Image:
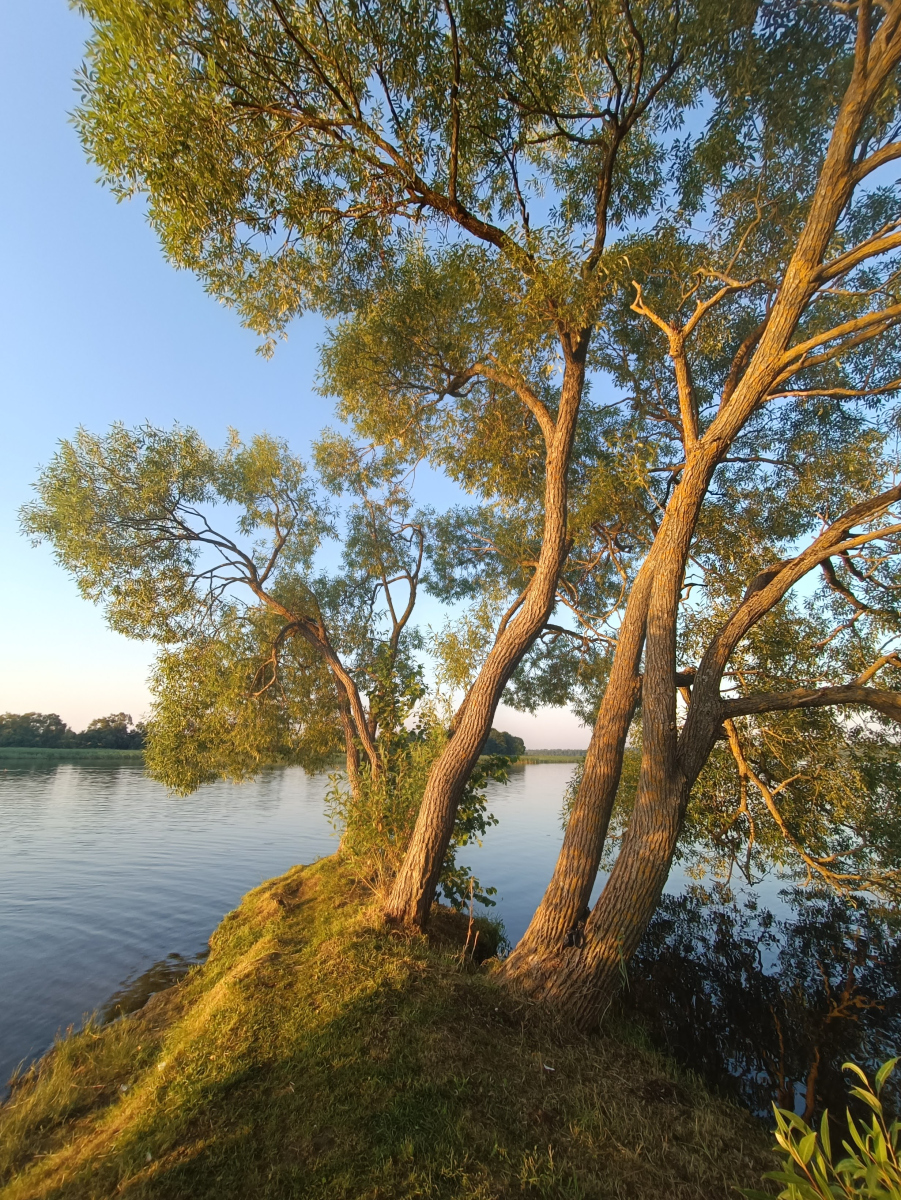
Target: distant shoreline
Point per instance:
(80, 752)
(530, 757)
(549, 756)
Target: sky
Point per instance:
(96, 327)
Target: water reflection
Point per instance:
(102, 874)
(768, 1008)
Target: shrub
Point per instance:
(869, 1171)
(376, 827)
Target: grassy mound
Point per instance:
(315, 1054)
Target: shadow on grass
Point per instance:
(317, 1055)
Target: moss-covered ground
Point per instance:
(315, 1054)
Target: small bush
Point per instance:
(870, 1170)
(376, 826)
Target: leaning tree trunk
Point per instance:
(414, 888)
(580, 979)
(567, 957)
(352, 757)
(562, 909)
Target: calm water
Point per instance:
(103, 874)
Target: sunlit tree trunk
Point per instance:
(576, 973)
(352, 757)
(580, 979)
(414, 889)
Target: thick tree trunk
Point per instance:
(580, 981)
(586, 983)
(414, 889)
(564, 904)
(579, 974)
(564, 958)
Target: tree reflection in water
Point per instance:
(768, 1008)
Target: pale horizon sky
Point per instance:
(97, 327)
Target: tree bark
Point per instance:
(580, 981)
(579, 975)
(414, 888)
(352, 757)
(566, 899)
(542, 963)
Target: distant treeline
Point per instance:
(559, 753)
(500, 742)
(115, 732)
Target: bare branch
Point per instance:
(838, 393)
(688, 409)
(885, 154)
(747, 773)
(796, 356)
(883, 661)
(770, 586)
(880, 243)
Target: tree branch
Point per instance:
(886, 702)
(516, 384)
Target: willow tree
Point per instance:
(759, 356)
(213, 556)
(447, 182)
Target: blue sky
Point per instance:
(95, 327)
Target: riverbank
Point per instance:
(316, 1055)
(528, 759)
(82, 755)
(74, 753)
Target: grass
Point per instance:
(550, 758)
(73, 752)
(315, 1054)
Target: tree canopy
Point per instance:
(628, 273)
(49, 730)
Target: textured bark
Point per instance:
(350, 701)
(568, 893)
(579, 982)
(576, 964)
(352, 756)
(414, 889)
(650, 618)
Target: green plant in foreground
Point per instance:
(871, 1168)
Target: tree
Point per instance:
(262, 653)
(445, 183)
(765, 346)
(115, 732)
(493, 203)
(33, 729)
(265, 658)
(501, 742)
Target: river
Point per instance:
(103, 874)
(109, 885)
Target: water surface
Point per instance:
(103, 874)
(108, 886)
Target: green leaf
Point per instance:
(883, 1073)
(806, 1147)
